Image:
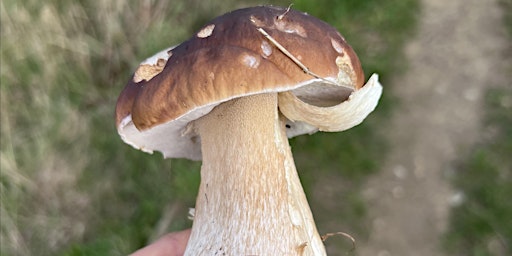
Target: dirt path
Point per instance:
(455, 55)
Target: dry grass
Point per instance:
(68, 184)
(63, 64)
(48, 86)
(33, 170)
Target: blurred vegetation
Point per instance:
(506, 5)
(69, 186)
(482, 224)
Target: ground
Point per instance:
(69, 186)
(456, 53)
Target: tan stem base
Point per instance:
(250, 200)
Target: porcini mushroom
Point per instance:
(231, 95)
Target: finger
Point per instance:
(172, 244)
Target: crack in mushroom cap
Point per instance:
(230, 62)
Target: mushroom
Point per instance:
(231, 96)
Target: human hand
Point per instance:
(172, 244)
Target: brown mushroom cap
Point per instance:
(230, 58)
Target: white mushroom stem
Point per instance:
(250, 200)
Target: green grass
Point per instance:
(68, 184)
(482, 225)
(506, 5)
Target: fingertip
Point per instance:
(172, 244)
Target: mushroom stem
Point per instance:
(250, 200)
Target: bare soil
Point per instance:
(457, 52)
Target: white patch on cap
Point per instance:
(153, 65)
(266, 48)
(147, 71)
(206, 31)
(337, 46)
(164, 54)
(291, 28)
(250, 61)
